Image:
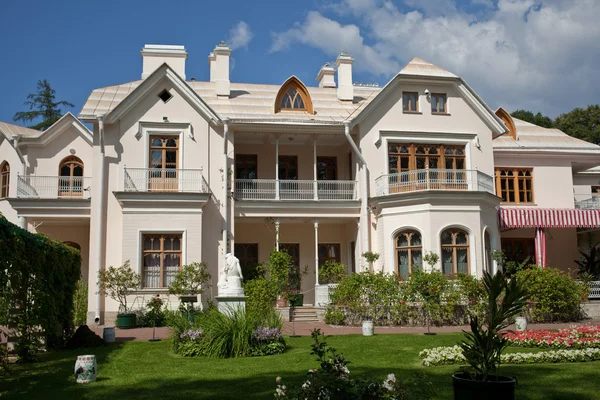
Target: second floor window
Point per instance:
(4, 179)
(409, 157)
(410, 101)
(71, 177)
(514, 185)
(246, 166)
(164, 162)
(438, 103)
(326, 168)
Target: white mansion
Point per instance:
(177, 171)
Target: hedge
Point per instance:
(38, 279)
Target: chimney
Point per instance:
(344, 67)
(325, 76)
(218, 61)
(155, 55)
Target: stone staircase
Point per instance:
(304, 314)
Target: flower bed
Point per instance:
(453, 355)
(580, 337)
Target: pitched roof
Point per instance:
(11, 129)
(420, 67)
(534, 137)
(247, 102)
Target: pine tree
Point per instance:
(42, 105)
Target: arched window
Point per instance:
(293, 96)
(73, 245)
(455, 251)
(409, 252)
(508, 121)
(4, 179)
(71, 177)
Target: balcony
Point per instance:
(164, 180)
(272, 189)
(434, 179)
(589, 204)
(53, 187)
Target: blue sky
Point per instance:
(535, 54)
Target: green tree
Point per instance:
(581, 123)
(42, 105)
(537, 119)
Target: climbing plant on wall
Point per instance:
(38, 279)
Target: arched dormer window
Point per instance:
(508, 121)
(4, 179)
(293, 96)
(71, 177)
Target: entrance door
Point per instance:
(327, 173)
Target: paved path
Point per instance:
(304, 329)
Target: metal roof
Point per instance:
(11, 129)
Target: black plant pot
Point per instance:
(467, 389)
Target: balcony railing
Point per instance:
(164, 180)
(272, 189)
(53, 187)
(434, 179)
(592, 203)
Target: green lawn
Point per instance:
(143, 370)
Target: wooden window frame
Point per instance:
(410, 248)
(338, 259)
(245, 259)
(516, 184)
(161, 252)
(335, 167)
(164, 181)
(4, 180)
(72, 187)
(302, 91)
(454, 246)
(286, 246)
(411, 111)
(437, 111)
(245, 165)
(412, 155)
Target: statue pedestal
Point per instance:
(228, 303)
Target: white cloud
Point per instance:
(540, 55)
(240, 36)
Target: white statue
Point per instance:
(230, 279)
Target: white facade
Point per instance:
(322, 174)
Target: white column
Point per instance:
(315, 187)
(316, 252)
(277, 235)
(277, 168)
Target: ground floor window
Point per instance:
(409, 252)
(518, 249)
(455, 251)
(161, 255)
(247, 254)
(293, 249)
(329, 252)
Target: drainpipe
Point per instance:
(225, 184)
(364, 225)
(16, 138)
(99, 216)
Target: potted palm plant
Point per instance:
(117, 283)
(485, 343)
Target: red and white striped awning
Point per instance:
(548, 218)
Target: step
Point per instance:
(305, 319)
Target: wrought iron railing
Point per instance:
(164, 180)
(272, 189)
(53, 187)
(592, 203)
(434, 179)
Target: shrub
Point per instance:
(554, 295)
(80, 303)
(38, 277)
(261, 295)
(232, 334)
(156, 313)
(118, 282)
(332, 380)
(334, 316)
(191, 280)
(331, 272)
(279, 267)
